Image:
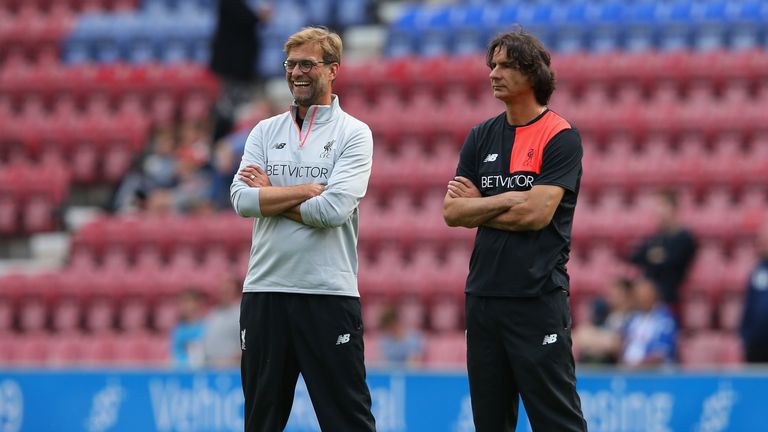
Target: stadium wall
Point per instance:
(201, 401)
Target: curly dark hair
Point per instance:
(527, 54)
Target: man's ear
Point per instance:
(333, 71)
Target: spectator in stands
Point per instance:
(224, 163)
(234, 55)
(160, 202)
(160, 163)
(399, 346)
(186, 336)
(192, 192)
(668, 253)
(301, 178)
(754, 323)
(650, 333)
(221, 339)
(154, 170)
(599, 340)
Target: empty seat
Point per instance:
(100, 316)
(100, 349)
(446, 314)
(446, 350)
(30, 350)
(696, 312)
(730, 311)
(134, 314)
(64, 350)
(66, 315)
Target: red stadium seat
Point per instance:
(32, 315)
(422, 268)
(732, 351)
(100, 349)
(99, 316)
(166, 315)
(702, 349)
(66, 315)
(730, 311)
(373, 308)
(30, 350)
(371, 347)
(696, 312)
(412, 312)
(135, 348)
(451, 278)
(705, 275)
(446, 350)
(64, 350)
(134, 314)
(446, 314)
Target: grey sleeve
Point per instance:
(346, 185)
(245, 199)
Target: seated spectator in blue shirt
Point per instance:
(399, 346)
(754, 322)
(186, 337)
(599, 339)
(650, 332)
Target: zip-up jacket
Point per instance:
(318, 256)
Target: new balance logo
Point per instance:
(549, 339)
(278, 146)
(242, 339)
(344, 338)
(491, 157)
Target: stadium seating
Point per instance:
(427, 30)
(658, 91)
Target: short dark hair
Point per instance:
(528, 55)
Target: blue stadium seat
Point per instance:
(573, 22)
(468, 29)
(435, 38)
(607, 26)
(352, 12)
(640, 26)
(748, 25)
(711, 29)
(400, 42)
(674, 22)
(537, 19)
(319, 12)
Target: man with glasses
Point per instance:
(517, 181)
(301, 178)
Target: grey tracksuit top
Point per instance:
(320, 255)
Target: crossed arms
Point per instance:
(531, 210)
(313, 204)
(285, 201)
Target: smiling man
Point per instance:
(301, 178)
(517, 182)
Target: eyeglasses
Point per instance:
(304, 65)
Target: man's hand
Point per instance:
(254, 176)
(312, 189)
(462, 187)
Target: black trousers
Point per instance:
(521, 347)
(756, 353)
(319, 336)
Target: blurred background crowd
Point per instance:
(122, 123)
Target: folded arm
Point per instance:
(532, 215)
(464, 205)
(347, 184)
(278, 200)
(531, 210)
